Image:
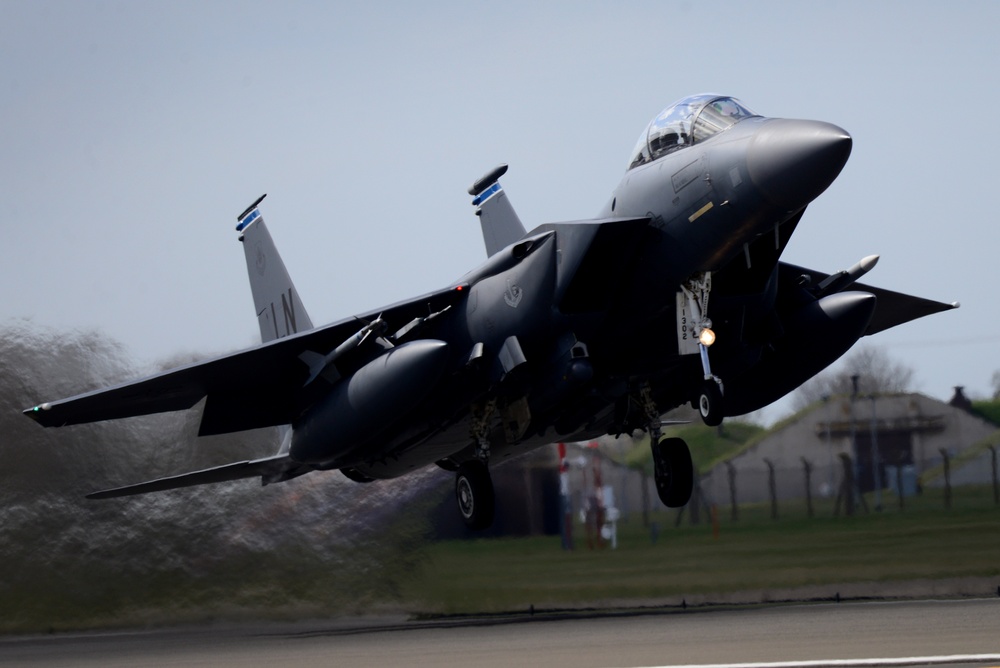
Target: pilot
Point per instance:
(726, 107)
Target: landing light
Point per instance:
(707, 337)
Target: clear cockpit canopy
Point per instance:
(685, 123)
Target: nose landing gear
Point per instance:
(709, 401)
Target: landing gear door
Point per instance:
(687, 339)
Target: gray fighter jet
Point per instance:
(673, 294)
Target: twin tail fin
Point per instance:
(279, 309)
(501, 226)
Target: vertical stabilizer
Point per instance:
(276, 301)
(501, 226)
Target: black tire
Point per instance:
(673, 472)
(710, 404)
(474, 495)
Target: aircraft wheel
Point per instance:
(474, 494)
(710, 404)
(673, 472)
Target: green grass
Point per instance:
(925, 541)
(988, 410)
(755, 553)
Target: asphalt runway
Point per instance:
(963, 633)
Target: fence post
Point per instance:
(731, 470)
(695, 502)
(947, 478)
(996, 485)
(645, 498)
(899, 484)
(809, 499)
(772, 488)
(846, 491)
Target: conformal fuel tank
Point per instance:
(371, 400)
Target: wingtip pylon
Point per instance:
(243, 220)
(488, 179)
(36, 413)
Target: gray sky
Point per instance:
(133, 133)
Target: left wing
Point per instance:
(892, 308)
(257, 387)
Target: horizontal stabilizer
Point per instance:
(270, 469)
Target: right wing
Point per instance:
(257, 387)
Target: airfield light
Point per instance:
(707, 337)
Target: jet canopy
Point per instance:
(687, 122)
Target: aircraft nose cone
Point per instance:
(793, 161)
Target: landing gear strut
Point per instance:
(473, 485)
(709, 401)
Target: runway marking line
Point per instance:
(854, 663)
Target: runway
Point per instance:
(842, 635)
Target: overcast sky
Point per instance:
(133, 133)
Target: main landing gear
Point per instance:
(673, 471)
(473, 485)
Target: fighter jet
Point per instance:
(675, 293)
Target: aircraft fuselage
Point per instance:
(569, 323)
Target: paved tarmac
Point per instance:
(963, 633)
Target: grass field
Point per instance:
(399, 570)
(923, 541)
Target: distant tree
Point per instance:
(877, 373)
(996, 384)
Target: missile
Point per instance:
(322, 365)
(846, 277)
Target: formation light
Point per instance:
(707, 337)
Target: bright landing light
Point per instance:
(707, 337)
